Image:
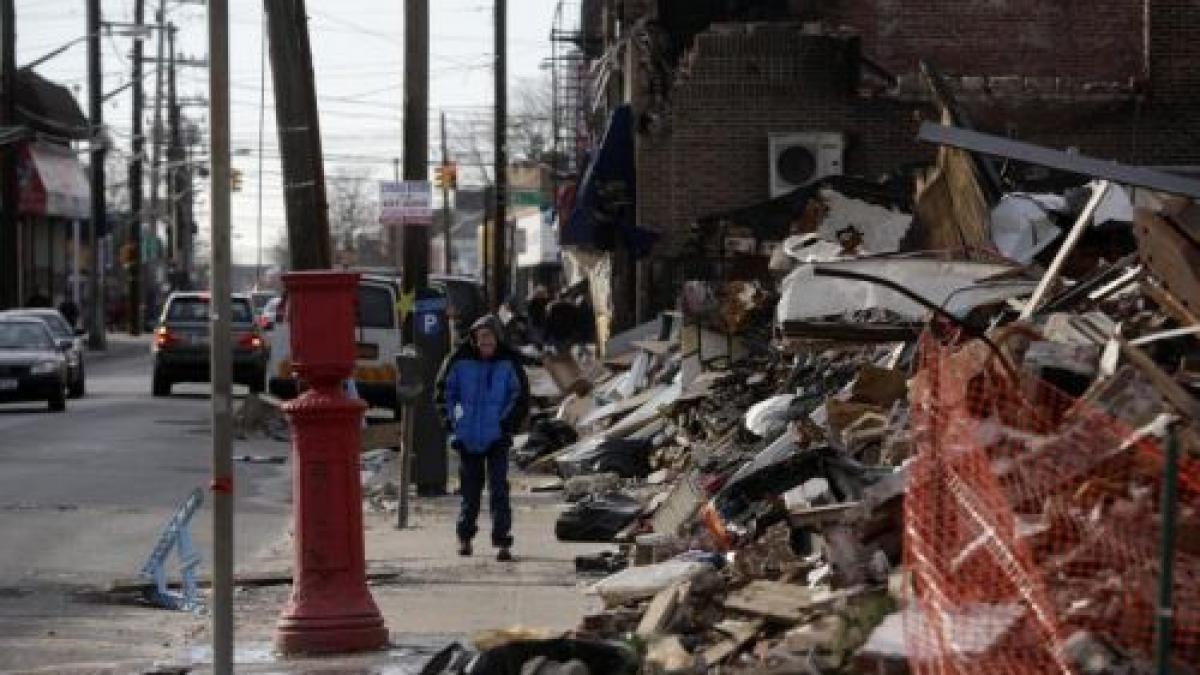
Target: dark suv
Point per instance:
(181, 347)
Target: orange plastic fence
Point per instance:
(1031, 516)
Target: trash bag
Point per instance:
(556, 656)
(627, 457)
(597, 519)
(546, 435)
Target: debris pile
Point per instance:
(967, 460)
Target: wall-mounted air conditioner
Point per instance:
(801, 158)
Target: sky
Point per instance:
(357, 48)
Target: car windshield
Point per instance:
(24, 335)
(195, 309)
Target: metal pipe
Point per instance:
(221, 339)
(1164, 615)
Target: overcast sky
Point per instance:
(358, 59)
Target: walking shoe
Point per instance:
(504, 555)
(464, 548)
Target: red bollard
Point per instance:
(331, 609)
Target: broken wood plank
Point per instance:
(661, 611)
(739, 632)
(772, 600)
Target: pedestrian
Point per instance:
(70, 311)
(562, 324)
(482, 395)
(536, 308)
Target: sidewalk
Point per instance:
(120, 345)
(437, 596)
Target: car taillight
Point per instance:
(163, 338)
(250, 341)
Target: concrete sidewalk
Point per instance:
(121, 345)
(437, 595)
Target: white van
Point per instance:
(377, 337)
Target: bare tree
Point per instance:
(353, 214)
(531, 105)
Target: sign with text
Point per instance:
(408, 202)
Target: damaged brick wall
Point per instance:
(738, 85)
(1090, 39)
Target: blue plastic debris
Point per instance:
(176, 535)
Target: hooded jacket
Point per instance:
(482, 401)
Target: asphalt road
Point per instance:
(84, 494)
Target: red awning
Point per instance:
(53, 182)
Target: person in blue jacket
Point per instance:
(482, 395)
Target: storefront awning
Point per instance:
(53, 182)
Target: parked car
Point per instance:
(377, 338)
(181, 343)
(32, 367)
(70, 341)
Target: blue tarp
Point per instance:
(605, 205)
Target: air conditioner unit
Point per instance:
(799, 159)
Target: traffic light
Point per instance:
(235, 180)
(445, 177)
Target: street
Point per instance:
(84, 494)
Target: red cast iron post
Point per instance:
(331, 609)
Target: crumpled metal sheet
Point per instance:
(958, 286)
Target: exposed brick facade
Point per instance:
(1093, 39)
(737, 83)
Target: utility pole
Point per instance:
(499, 285)
(156, 134)
(422, 326)
(446, 214)
(416, 136)
(221, 341)
(299, 136)
(96, 111)
(10, 255)
(177, 174)
(135, 177)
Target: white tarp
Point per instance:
(882, 228)
(957, 286)
(1021, 226)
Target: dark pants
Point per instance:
(471, 473)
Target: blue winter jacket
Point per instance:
(482, 402)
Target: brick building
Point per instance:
(711, 80)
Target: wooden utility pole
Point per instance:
(299, 136)
(499, 285)
(447, 256)
(99, 210)
(156, 133)
(135, 177)
(416, 136)
(10, 255)
(178, 181)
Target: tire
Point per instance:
(160, 385)
(57, 403)
(78, 387)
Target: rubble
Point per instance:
(947, 459)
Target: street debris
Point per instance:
(890, 458)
